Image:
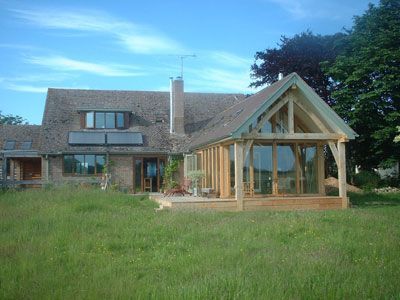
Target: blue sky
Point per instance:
(136, 45)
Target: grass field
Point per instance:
(69, 243)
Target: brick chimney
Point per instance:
(177, 117)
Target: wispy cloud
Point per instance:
(67, 64)
(220, 80)
(230, 59)
(294, 7)
(36, 89)
(25, 88)
(134, 37)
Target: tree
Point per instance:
(397, 137)
(302, 54)
(366, 84)
(11, 119)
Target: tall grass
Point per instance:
(67, 243)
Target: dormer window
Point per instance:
(105, 120)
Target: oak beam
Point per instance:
(290, 114)
(293, 136)
(269, 114)
(334, 151)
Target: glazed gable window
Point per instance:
(104, 120)
(84, 164)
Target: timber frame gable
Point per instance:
(272, 144)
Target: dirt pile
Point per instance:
(333, 183)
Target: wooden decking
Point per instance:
(273, 203)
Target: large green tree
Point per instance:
(366, 79)
(302, 53)
(11, 119)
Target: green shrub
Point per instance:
(367, 180)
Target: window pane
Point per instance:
(263, 169)
(110, 120)
(89, 164)
(308, 169)
(89, 119)
(79, 164)
(232, 167)
(286, 169)
(120, 120)
(68, 164)
(100, 162)
(9, 145)
(281, 121)
(100, 122)
(26, 145)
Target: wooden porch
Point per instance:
(249, 204)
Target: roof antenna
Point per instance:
(182, 57)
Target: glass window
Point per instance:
(100, 122)
(232, 167)
(9, 145)
(26, 145)
(120, 120)
(162, 168)
(80, 164)
(110, 120)
(100, 162)
(286, 169)
(308, 169)
(90, 164)
(90, 119)
(263, 169)
(68, 164)
(281, 121)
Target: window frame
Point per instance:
(85, 167)
(117, 116)
(13, 142)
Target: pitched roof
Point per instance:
(224, 123)
(148, 108)
(228, 122)
(20, 134)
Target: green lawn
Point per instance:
(71, 243)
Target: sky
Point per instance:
(138, 45)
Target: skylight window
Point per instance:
(26, 145)
(9, 145)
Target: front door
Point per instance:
(149, 174)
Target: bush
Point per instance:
(367, 180)
(391, 181)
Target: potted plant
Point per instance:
(195, 177)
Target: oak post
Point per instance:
(342, 173)
(239, 174)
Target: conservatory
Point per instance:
(269, 150)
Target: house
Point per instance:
(269, 146)
(21, 162)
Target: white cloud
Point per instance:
(26, 88)
(230, 59)
(136, 38)
(67, 64)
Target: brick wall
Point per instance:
(122, 171)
